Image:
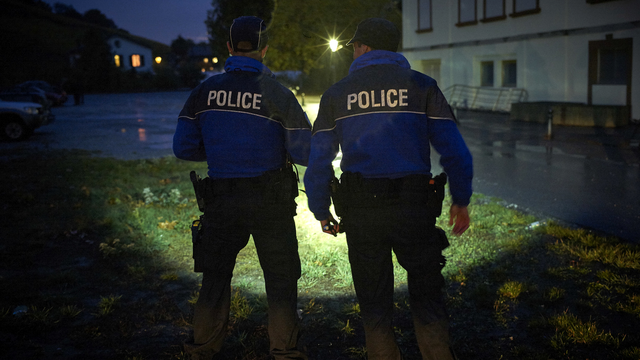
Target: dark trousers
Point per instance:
(373, 232)
(229, 221)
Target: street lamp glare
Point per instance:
(333, 45)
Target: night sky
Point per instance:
(159, 20)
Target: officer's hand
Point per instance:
(330, 226)
(461, 216)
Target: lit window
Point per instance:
(493, 10)
(424, 15)
(467, 12)
(509, 73)
(116, 59)
(486, 73)
(135, 61)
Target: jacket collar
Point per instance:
(243, 63)
(379, 57)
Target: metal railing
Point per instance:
(484, 98)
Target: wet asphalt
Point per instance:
(582, 176)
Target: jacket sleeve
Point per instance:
(298, 134)
(187, 140)
(455, 158)
(324, 148)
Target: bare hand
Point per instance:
(330, 226)
(460, 215)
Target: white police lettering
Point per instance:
(229, 99)
(386, 98)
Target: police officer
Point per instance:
(384, 116)
(246, 126)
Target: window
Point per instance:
(525, 7)
(424, 16)
(610, 63)
(493, 10)
(509, 73)
(486, 73)
(137, 60)
(613, 66)
(116, 60)
(467, 10)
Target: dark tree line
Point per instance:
(299, 31)
(93, 16)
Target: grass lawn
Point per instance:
(95, 263)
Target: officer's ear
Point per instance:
(229, 48)
(263, 52)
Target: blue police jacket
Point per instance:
(383, 116)
(242, 122)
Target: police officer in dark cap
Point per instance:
(249, 129)
(385, 117)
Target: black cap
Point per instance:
(248, 33)
(379, 34)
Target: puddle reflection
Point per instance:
(142, 134)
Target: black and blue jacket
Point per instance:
(242, 122)
(383, 116)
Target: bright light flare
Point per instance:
(333, 45)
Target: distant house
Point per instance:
(571, 51)
(202, 55)
(129, 55)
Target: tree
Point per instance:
(96, 61)
(67, 10)
(180, 48)
(300, 31)
(219, 20)
(38, 3)
(96, 17)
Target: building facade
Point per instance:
(129, 55)
(574, 51)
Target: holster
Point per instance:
(200, 188)
(435, 195)
(197, 237)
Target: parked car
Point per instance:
(55, 94)
(18, 120)
(34, 95)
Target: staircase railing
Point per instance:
(484, 98)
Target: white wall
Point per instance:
(552, 65)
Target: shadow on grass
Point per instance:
(95, 260)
